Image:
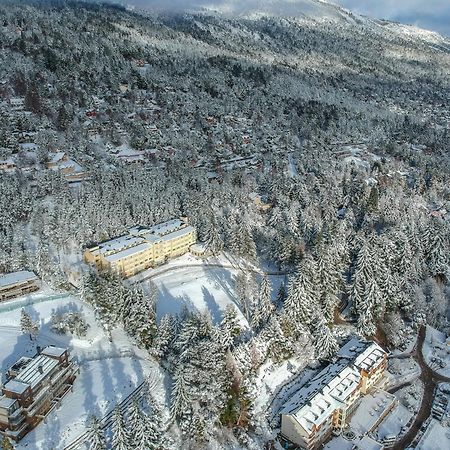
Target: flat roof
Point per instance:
(16, 277)
(53, 351)
(6, 402)
(16, 386)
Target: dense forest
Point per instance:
(347, 123)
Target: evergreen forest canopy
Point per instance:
(364, 233)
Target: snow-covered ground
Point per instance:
(436, 351)
(197, 288)
(199, 285)
(109, 371)
(402, 370)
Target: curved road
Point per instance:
(430, 379)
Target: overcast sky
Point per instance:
(429, 14)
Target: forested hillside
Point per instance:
(342, 126)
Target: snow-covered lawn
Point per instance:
(436, 351)
(189, 282)
(200, 288)
(109, 371)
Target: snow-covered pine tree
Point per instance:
(324, 341)
(165, 335)
(27, 325)
(229, 326)
(120, 436)
(180, 402)
(96, 436)
(213, 242)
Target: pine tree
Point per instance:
(96, 436)
(27, 325)
(229, 326)
(213, 241)
(120, 437)
(164, 337)
(324, 341)
(180, 405)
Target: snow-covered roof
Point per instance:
(127, 252)
(166, 227)
(177, 233)
(37, 369)
(6, 403)
(332, 386)
(16, 386)
(56, 157)
(324, 394)
(53, 351)
(370, 411)
(141, 238)
(370, 357)
(16, 277)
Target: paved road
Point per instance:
(430, 379)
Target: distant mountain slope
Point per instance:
(251, 8)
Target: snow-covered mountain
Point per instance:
(250, 8)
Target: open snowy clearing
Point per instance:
(197, 288)
(200, 288)
(109, 371)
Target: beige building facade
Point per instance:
(34, 387)
(142, 248)
(16, 284)
(330, 398)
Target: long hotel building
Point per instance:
(142, 248)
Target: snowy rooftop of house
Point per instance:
(166, 227)
(54, 351)
(334, 384)
(141, 238)
(324, 395)
(7, 161)
(128, 251)
(370, 410)
(16, 277)
(119, 244)
(177, 233)
(56, 157)
(6, 403)
(370, 357)
(394, 422)
(70, 164)
(314, 386)
(16, 386)
(32, 375)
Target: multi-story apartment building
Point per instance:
(35, 385)
(142, 248)
(325, 403)
(17, 283)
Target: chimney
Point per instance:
(41, 368)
